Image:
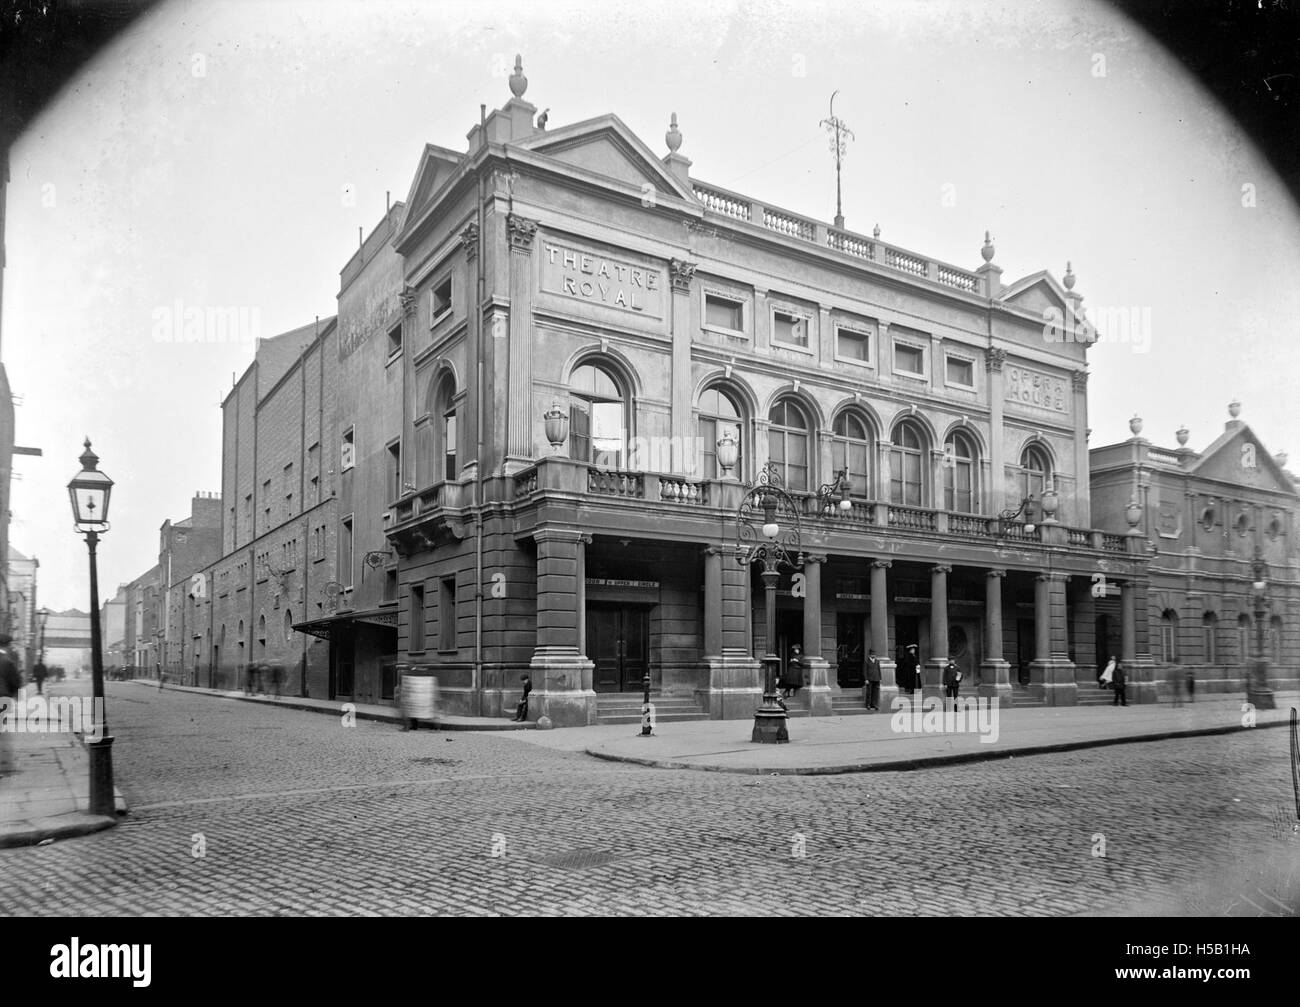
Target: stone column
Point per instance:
(713, 601)
(815, 667)
(562, 676)
(997, 462)
(734, 676)
(932, 670)
(880, 631)
(519, 402)
(1051, 673)
(684, 460)
(1079, 508)
(995, 671)
(1139, 669)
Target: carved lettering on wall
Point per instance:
(1034, 388)
(600, 279)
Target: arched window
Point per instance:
(597, 417)
(1169, 636)
(1275, 637)
(288, 626)
(1036, 471)
(906, 466)
(436, 435)
(719, 413)
(787, 443)
(1209, 630)
(851, 449)
(261, 634)
(1243, 638)
(959, 474)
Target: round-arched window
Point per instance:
(597, 417)
(719, 414)
(906, 465)
(959, 474)
(787, 443)
(851, 449)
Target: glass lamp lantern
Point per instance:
(89, 492)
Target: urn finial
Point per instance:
(674, 135)
(988, 250)
(1135, 424)
(1069, 277)
(518, 82)
(1183, 434)
(1234, 408)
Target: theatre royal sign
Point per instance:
(621, 284)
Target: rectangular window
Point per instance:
(395, 339)
(852, 345)
(395, 469)
(288, 491)
(788, 328)
(390, 584)
(447, 614)
(248, 515)
(416, 644)
(960, 372)
(909, 360)
(266, 506)
(724, 313)
(441, 301)
(313, 475)
(345, 551)
(348, 452)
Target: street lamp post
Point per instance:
(762, 538)
(90, 490)
(1258, 694)
(43, 615)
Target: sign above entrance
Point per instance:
(600, 279)
(608, 582)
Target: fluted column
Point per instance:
(519, 402)
(683, 460)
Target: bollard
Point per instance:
(647, 712)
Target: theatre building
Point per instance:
(1220, 526)
(599, 352)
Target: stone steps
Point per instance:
(625, 708)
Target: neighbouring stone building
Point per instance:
(1206, 518)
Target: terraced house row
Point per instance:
(555, 370)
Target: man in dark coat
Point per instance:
(39, 674)
(1118, 682)
(872, 672)
(911, 665)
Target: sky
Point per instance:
(222, 156)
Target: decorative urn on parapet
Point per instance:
(674, 135)
(1133, 515)
(1135, 424)
(728, 453)
(557, 424)
(518, 82)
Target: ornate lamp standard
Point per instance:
(1258, 694)
(42, 614)
(762, 538)
(89, 491)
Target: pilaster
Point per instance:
(519, 400)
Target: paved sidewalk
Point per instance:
(823, 745)
(47, 796)
(363, 711)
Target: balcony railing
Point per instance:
(609, 482)
(912, 518)
(970, 526)
(739, 207)
(1114, 543)
(683, 491)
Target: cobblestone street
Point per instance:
(240, 808)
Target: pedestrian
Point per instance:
(873, 681)
(277, 678)
(952, 681)
(162, 678)
(521, 711)
(1191, 686)
(39, 674)
(1119, 684)
(11, 681)
(1176, 681)
(911, 668)
(1108, 673)
(793, 677)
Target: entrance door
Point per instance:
(907, 630)
(618, 643)
(342, 663)
(849, 655)
(1025, 643)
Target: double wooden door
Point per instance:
(618, 643)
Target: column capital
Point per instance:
(881, 564)
(469, 241)
(560, 535)
(996, 358)
(1053, 576)
(681, 272)
(814, 557)
(1079, 379)
(522, 231)
(995, 571)
(944, 568)
(408, 299)
(714, 550)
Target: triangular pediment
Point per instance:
(1038, 293)
(605, 146)
(1237, 456)
(437, 166)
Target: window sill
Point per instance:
(960, 387)
(911, 376)
(795, 347)
(854, 361)
(719, 330)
